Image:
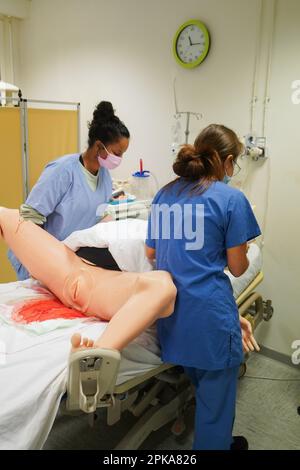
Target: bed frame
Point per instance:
(157, 397)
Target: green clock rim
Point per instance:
(207, 40)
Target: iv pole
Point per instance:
(188, 114)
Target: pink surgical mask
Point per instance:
(111, 161)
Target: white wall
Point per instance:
(9, 48)
(11, 12)
(15, 8)
(120, 50)
(281, 250)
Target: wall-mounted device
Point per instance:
(255, 147)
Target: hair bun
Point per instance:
(104, 111)
(188, 164)
(187, 153)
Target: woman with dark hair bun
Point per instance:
(72, 191)
(205, 334)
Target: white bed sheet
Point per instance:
(33, 372)
(33, 368)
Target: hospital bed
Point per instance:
(157, 397)
(39, 377)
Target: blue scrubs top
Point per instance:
(64, 197)
(204, 330)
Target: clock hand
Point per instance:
(191, 44)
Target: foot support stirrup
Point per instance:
(92, 375)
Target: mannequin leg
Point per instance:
(130, 301)
(153, 297)
(78, 285)
(47, 259)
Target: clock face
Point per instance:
(191, 43)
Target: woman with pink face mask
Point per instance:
(73, 191)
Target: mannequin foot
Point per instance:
(79, 343)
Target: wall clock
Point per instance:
(191, 44)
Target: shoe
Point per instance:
(239, 443)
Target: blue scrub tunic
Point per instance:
(204, 330)
(64, 197)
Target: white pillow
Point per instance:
(125, 240)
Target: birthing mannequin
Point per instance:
(129, 301)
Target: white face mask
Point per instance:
(111, 162)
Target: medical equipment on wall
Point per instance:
(255, 147)
(254, 151)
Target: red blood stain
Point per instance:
(42, 310)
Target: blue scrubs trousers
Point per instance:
(215, 407)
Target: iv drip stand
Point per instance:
(188, 117)
(188, 114)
